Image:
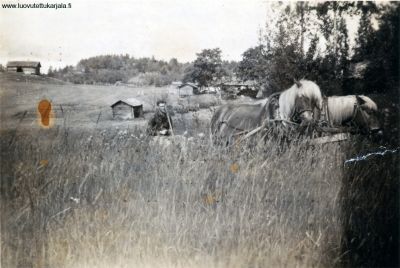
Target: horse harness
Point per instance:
(357, 109)
(326, 120)
(295, 117)
(242, 131)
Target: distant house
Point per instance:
(188, 89)
(127, 109)
(26, 67)
(237, 88)
(210, 90)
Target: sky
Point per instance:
(164, 29)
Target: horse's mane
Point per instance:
(307, 89)
(341, 108)
(369, 103)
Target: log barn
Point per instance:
(26, 67)
(127, 109)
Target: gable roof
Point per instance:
(131, 102)
(32, 64)
(188, 84)
(247, 83)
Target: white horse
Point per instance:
(355, 110)
(300, 100)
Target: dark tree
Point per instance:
(253, 65)
(379, 48)
(365, 33)
(207, 68)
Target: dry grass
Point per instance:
(370, 211)
(188, 204)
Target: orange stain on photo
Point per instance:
(209, 199)
(234, 168)
(45, 114)
(43, 162)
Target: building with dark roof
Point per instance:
(188, 89)
(26, 67)
(127, 109)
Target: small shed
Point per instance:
(26, 67)
(188, 89)
(127, 109)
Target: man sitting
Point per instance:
(160, 124)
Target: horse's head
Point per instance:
(307, 103)
(366, 115)
(303, 111)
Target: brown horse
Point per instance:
(296, 104)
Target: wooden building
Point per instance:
(232, 89)
(188, 89)
(26, 67)
(127, 109)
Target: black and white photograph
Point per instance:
(199, 133)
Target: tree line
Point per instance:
(301, 39)
(312, 41)
(109, 69)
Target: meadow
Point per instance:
(83, 194)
